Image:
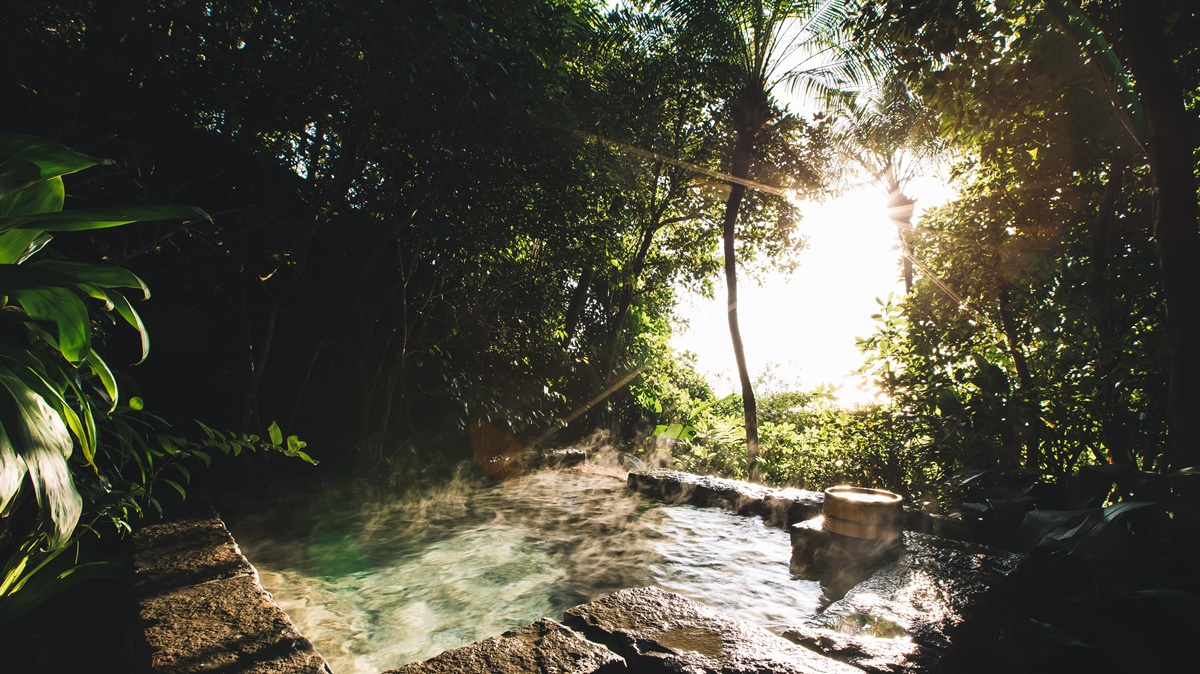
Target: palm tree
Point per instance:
(893, 138)
(750, 47)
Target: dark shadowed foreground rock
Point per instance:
(201, 608)
(545, 647)
(943, 606)
(778, 507)
(657, 631)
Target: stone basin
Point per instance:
(942, 606)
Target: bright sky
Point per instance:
(803, 327)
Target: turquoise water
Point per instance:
(377, 580)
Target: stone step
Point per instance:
(200, 607)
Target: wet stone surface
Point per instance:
(777, 507)
(545, 647)
(943, 606)
(839, 562)
(657, 631)
(557, 458)
(200, 607)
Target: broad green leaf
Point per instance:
(12, 471)
(18, 245)
(68, 314)
(29, 370)
(126, 310)
(102, 371)
(51, 159)
(40, 439)
(46, 196)
(100, 275)
(275, 434)
(17, 174)
(86, 219)
(207, 430)
(177, 486)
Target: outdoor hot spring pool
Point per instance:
(376, 580)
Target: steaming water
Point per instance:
(379, 580)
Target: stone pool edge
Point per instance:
(199, 606)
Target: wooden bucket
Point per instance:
(859, 512)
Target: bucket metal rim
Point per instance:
(890, 497)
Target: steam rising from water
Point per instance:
(377, 580)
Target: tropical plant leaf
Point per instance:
(17, 174)
(105, 375)
(18, 245)
(66, 311)
(12, 473)
(131, 316)
(41, 197)
(104, 276)
(42, 442)
(32, 373)
(50, 158)
(1049, 528)
(86, 219)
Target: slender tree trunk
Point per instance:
(625, 302)
(259, 363)
(1112, 428)
(1170, 147)
(740, 169)
(578, 301)
(900, 211)
(1025, 422)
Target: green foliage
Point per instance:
(57, 393)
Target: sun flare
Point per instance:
(799, 330)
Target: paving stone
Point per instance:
(545, 647)
(660, 632)
(185, 552)
(200, 607)
(230, 626)
(942, 606)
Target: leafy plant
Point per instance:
(57, 392)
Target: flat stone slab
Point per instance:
(777, 507)
(545, 647)
(942, 606)
(185, 552)
(228, 626)
(658, 631)
(201, 607)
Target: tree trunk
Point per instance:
(737, 190)
(626, 301)
(1024, 419)
(1169, 147)
(1113, 431)
(900, 211)
(578, 301)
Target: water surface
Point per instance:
(377, 579)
